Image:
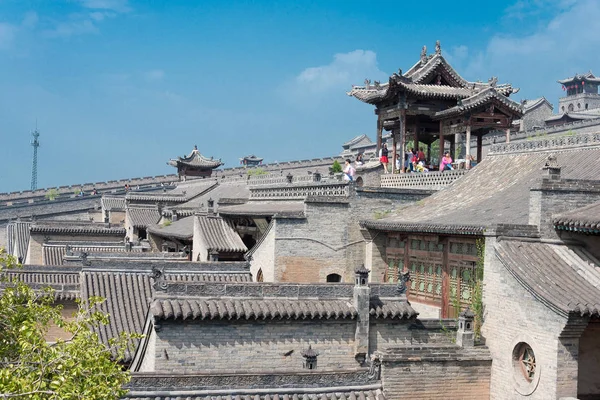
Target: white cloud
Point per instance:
(344, 70)
(120, 6)
(7, 35)
(71, 28)
(564, 46)
(30, 20)
(154, 75)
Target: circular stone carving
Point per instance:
(526, 369)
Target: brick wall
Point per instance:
(263, 257)
(589, 362)
(54, 332)
(386, 335)
(555, 197)
(513, 315)
(443, 379)
(36, 241)
(252, 346)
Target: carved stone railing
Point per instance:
(548, 143)
(423, 180)
(299, 191)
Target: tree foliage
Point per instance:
(80, 367)
(51, 194)
(336, 167)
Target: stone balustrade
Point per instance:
(547, 143)
(424, 180)
(299, 191)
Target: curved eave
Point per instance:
(481, 100)
(392, 226)
(370, 96)
(590, 230)
(204, 164)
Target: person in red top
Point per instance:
(421, 156)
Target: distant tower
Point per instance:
(581, 93)
(35, 143)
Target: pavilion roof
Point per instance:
(588, 76)
(417, 81)
(197, 160)
(479, 99)
(181, 229)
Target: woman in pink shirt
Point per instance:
(446, 163)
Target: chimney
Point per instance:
(362, 295)
(465, 335)
(211, 206)
(552, 168)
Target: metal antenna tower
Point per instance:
(35, 143)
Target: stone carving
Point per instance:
(551, 162)
(438, 47)
(300, 192)
(367, 83)
(69, 250)
(493, 81)
(403, 282)
(158, 276)
(424, 55)
(375, 366)
(377, 84)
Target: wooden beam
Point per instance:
(468, 146)
(379, 133)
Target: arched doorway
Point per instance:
(259, 276)
(334, 278)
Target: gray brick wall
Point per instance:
(211, 346)
(589, 361)
(513, 315)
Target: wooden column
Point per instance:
(442, 144)
(429, 152)
(468, 146)
(394, 151)
(479, 147)
(507, 135)
(452, 141)
(379, 133)
(402, 138)
(445, 280)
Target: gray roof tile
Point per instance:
(142, 217)
(565, 279)
(584, 219)
(219, 234)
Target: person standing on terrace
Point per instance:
(383, 157)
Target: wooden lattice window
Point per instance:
(527, 362)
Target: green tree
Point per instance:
(336, 167)
(51, 194)
(80, 367)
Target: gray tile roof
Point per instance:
(49, 208)
(258, 309)
(53, 254)
(479, 99)
(496, 191)
(113, 203)
(195, 159)
(234, 190)
(588, 76)
(584, 219)
(156, 197)
(18, 238)
(76, 228)
(63, 280)
(328, 393)
(351, 384)
(565, 279)
(142, 217)
(127, 288)
(220, 234)
(266, 209)
(181, 229)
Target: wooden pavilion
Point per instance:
(194, 164)
(432, 101)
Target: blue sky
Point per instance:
(118, 87)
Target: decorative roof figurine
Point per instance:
(424, 55)
(194, 164)
(438, 47)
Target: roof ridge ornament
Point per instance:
(424, 55)
(438, 48)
